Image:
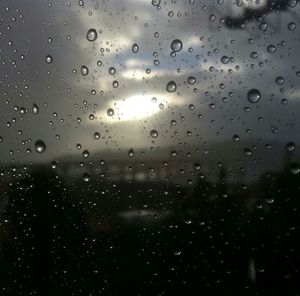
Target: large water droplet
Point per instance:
(176, 45)
(171, 86)
(154, 134)
(224, 60)
(40, 146)
(91, 35)
(254, 95)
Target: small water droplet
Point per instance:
(155, 2)
(291, 26)
(271, 48)
(40, 146)
(85, 153)
(279, 80)
(84, 70)
(112, 71)
(131, 153)
(135, 48)
(97, 135)
(86, 177)
(49, 59)
(35, 109)
(290, 146)
(115, 84)
(110, 112)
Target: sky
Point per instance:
(45, 96)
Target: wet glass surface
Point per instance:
(149, 147)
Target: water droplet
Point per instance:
(176, 45)
(155, 2)
(236, 138)
(291, 26)
(35, 109)
(254, 95)
(279, 80)
(135, 48)
(97, 135)
(154, 134)
(112, 71)
(86, 177)
(85, 153)
(131, 153)
(84, 70)
(91, 35)
(49, 59)
(110, 112)
(290, 146)
(115, 84)
(224, 59)
(171, 86)
(40, 146)
(191, 80)
(271, 48)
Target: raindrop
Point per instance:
(171, 86)
(176, 45)
(35, 109)
(40, 146)
(290, 146)
(112, 71)
(135, 48)
(155, 2)
(292, 26)
(97, 135)
(279, 80)
(84, 70)
(271, 48)
(254, 95)
(224, 59)
(154, 134)
(110, 112)
(86, 177)
(91, 35)
(131, 153)
(115, 84)
(85, 153)
(191, 80)
(49, 59)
